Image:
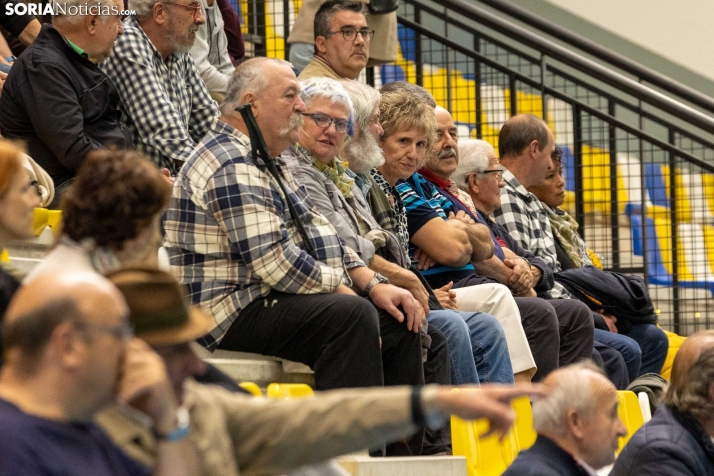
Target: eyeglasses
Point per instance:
(498, 173)
(196, 7)
(121, 331)
(324, 121)
(349, 34)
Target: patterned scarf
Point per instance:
(565, 230)
(400, 213)
(335, 171)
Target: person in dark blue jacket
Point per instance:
(679, 440)
(58, 101)
(577, 423)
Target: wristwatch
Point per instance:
(181, 431)
(376, 279)
(10, 59)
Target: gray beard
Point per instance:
(294, 124)
(363, 155)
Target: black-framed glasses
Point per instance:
(195, 7)
(122, 331)
(349, 34)
(324, 121)
(497, 173)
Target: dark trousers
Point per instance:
(437, 370)
(540, 324)
(613, 363)
(338, 337)
(576, 330)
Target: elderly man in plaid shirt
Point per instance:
(525, 145)
(165, 102)
(233, 242)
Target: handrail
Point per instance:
(616, 59)
(583, 64)
(691, 158)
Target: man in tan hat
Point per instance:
(234, 432)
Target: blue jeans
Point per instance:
(626, 346)
(654, 345)
(477, 346)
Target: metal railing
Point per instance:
(639, 160)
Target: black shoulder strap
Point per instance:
(259, 150)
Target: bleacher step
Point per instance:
(404, 466)
(259, 369)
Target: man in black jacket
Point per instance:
(578, 425)
(58, 100)
(680, 437)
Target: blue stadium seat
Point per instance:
(654, 180)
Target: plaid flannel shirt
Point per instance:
(230, 236)
(165, 102)
(523, 215)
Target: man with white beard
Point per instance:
(164, 100)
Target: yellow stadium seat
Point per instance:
(252, 388)
(486, 455)
(522, 435)
(39, 220)
(289, 390)
(675, 342)
(629, 412)
(54, 221)
(483, 454)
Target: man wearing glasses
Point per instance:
(69, 352)
(166, 103)
(302, 39)
(342, 40)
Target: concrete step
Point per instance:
(260, 369)
(407, 466)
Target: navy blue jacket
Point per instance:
(62, 105)
(672, 443)
(545, 458)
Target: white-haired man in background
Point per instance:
(577, 423)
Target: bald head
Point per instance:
(48, 301)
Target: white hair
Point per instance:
(330, 89)
(473, 157)
(142, 8)
(573, 392)
(364, 100)
(70, 7)
(248, 77)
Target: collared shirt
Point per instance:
(76, 48)
(523, 215)
(423, 202)
(166, 104)
(362, 182)
(230, 236)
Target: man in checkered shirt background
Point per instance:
(164, 100)
(525, 144)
